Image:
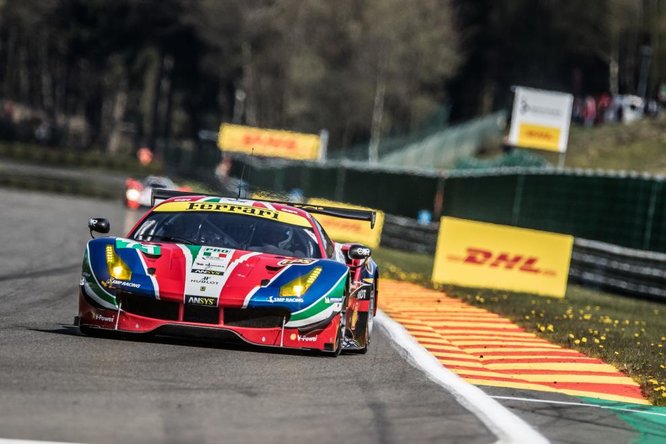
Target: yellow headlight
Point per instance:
(117, 268)
(300, 285)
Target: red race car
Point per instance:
(265, 273)
(138, 193)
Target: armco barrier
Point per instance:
(593, 264)
(619, 269)
(406, 234)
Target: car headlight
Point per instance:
(300, 285)
(133, 194)
(117, 268)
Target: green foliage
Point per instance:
(640, 146)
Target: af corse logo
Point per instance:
(508, 261)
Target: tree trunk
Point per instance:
(117, 117)
(377, 117)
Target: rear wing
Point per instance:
(159, 195)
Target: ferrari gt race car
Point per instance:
(262, 272)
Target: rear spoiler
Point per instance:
(159, 195)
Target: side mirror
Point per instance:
(99, 225)
(358, 251)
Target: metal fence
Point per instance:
(618, 208)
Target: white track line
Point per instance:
(508, 427)
(28, 441)
(581, 404)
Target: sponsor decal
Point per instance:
(207, 271)
(296, 261)
(362, 294)
(115, 282)
(301, 338)
(274, 299)
(99, 317)
(205, 280)
(201, 300)
(151, 250)
(478, 254)
(229, 208)
(506, 260)
(333, 299)
(212, 253)
(235, 208)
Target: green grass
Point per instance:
(639, 146)
(627, 333)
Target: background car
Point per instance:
(139, 193)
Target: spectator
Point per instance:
(589, 112)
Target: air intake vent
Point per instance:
(148, 307)
(255, 317)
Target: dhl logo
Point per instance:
(505, 260)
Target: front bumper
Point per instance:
(324, 338)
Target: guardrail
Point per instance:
(403, 233)
(619, 269)
(593, 264)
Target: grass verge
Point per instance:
(628, 333)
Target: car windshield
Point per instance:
(229, 231)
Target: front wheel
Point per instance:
(337, 347)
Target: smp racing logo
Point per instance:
(504, 260)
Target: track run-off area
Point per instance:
(58, 385)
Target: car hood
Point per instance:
(208, 275)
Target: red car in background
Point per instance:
(138, 193)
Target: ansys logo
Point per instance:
(198, 300)
(508, 261)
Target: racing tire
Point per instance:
(340, 338)
(366, 321)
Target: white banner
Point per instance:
(541, 119)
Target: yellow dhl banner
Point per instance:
(268, 143)
(477, 254)
(537, 136)
(349, 230)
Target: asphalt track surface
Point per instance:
(58, 385)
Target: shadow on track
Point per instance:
(227, 344)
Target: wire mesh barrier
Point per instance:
(445, 148)
(614, 207)
(623, 209)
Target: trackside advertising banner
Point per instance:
(349, 230)
(541, 119)
(268, 143)
(477, 254)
